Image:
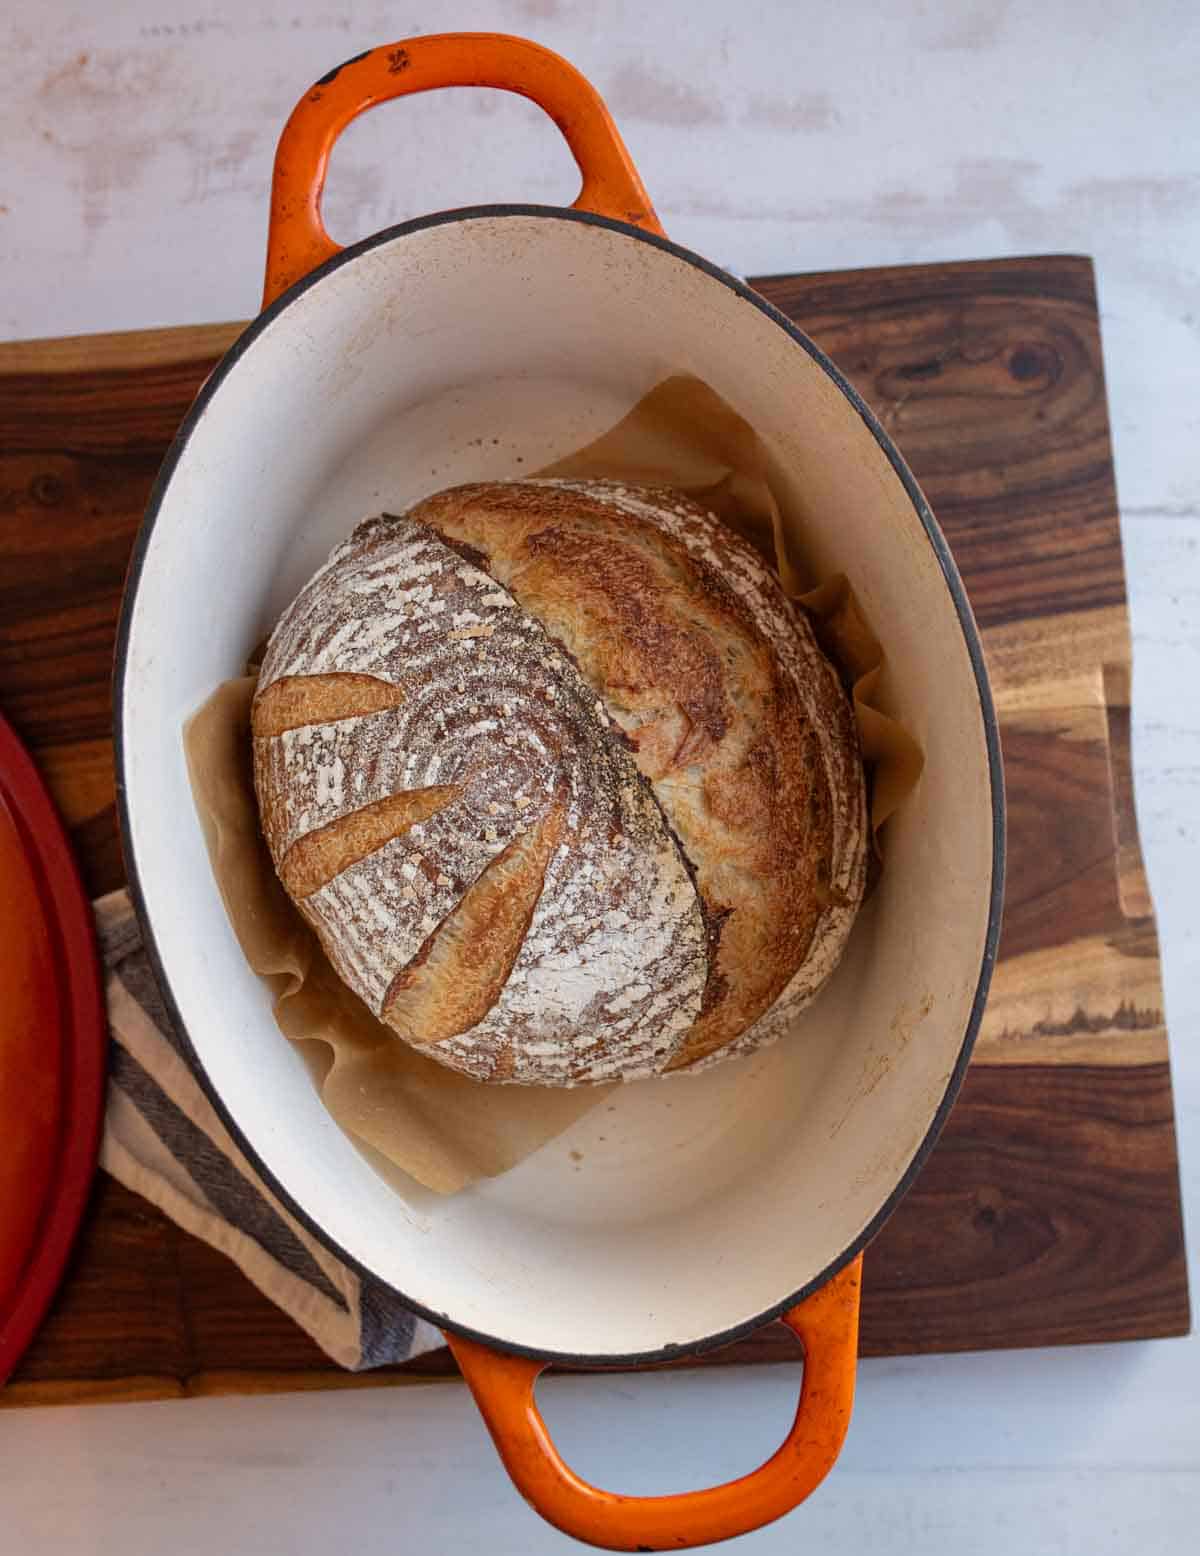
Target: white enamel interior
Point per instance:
(483, 348)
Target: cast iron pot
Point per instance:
(481, 344)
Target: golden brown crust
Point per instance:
(718, 725)
(611, 971)
(457, 975)
(692, 884)
(316, 858)
(296, 700)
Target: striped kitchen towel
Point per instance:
(163, 1140)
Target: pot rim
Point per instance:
(971, 637)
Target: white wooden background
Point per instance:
(135, 147)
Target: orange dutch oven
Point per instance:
(480, 344)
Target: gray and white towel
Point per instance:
(163, 1140)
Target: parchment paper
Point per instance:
(439, 1126)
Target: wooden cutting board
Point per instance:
(1049, 1211)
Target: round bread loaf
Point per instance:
(562, 782)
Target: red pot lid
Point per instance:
(53, 1039)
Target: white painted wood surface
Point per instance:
(137, 137)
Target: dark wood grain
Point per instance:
(1061, 883)
(989, 376)
(1009, 1238)
(1049, 1210)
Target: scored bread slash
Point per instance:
(641, 813)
